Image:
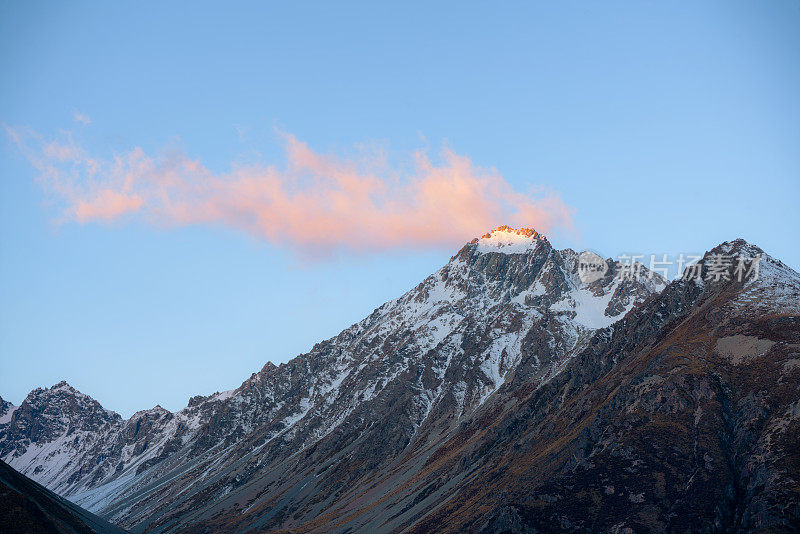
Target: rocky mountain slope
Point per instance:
(681, 417)
(498, 395)
(6, 411)
(28, 508)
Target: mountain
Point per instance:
(681, 417)
(505, 393)
(28, 508)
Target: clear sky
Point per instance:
(145, 256)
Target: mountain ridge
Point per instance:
(502, 319)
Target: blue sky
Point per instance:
(666, 127)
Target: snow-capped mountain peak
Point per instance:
(508, 240)
(506, 305)
(425, 374)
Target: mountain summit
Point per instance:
(510, 241)
(498, 395)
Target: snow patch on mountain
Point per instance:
(507, 240)
(6, 411)
(776, 288)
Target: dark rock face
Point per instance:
(499, 395)
(47, 413)
(28, 508)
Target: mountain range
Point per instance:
(504, 393)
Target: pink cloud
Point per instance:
(106, 205)
(315, 203)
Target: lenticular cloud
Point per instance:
(313, 202)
